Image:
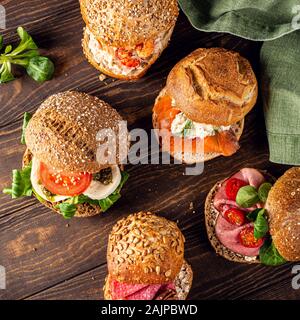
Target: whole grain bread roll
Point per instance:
(145, 249)
(213, 86)
(63, 132)
(124, 23)
(283, 207)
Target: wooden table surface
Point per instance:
(47, 257)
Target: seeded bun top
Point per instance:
(283, 207)
(126, 22)
(213, 86)
(62, 133)
(145, 249)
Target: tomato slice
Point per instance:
(235, 216)
(125, 56)
(247, 238)
(232, 187)
(63, 184)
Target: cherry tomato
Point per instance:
(125, 56)
(235, 216)
(64, 184)
(247, 238)
(232, 187)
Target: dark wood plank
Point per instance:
(47, 259)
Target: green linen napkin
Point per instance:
(275, 20)
(280, 61)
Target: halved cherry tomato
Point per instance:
(125, 56)
(232, 187)
(63, 184)
(247, 238)
(235, 216)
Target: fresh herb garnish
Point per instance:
(67, 210)
(188, 126)
(27, 117)
(253, 214)
(105, 176)
(264, 190)
(247, 196)
(26, 54)
(106, 203)
(21, 183)
(261, 226)
(269, 255)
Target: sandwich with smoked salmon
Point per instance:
(145, 258)
(61, 167)
(251, 219)
(124, 38)
(205, 101)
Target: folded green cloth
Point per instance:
(280, 61)
(250, 19)
(275, 20)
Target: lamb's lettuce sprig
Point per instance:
(26, 54)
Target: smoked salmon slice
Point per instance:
(224, 142)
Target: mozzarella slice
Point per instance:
(98, 190)
(38, 187)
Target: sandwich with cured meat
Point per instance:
(124, 38)
(205, 100)
(251, 219)
(60, 166)
(145, 257)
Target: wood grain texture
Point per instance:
(47, 257)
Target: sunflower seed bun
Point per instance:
(83, 210)
(124, 23)
(62, 133)
(146, 252)
(283, 207)
(213, 86)
(145, 248)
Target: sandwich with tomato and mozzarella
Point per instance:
(251, 219)
(205, 100)
(60, 165)
(145, 257)
(123, 38)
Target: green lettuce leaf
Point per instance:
(21, 183)
(27, 117)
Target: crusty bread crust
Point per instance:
(119, 22)
(63, 131)
(194, 159)
(145, 248)
(84, 210)
(283, 207)
(214, 86)
(183, 283)
(211, 215)
(133, 76)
